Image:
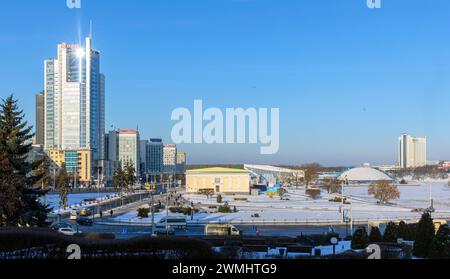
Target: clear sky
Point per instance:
(348, 80)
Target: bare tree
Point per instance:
(384, 191)
(311, 174)
(332, 186)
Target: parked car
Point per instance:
(84, 221)
(68, 231)
(73, 215)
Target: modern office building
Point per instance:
(111, 143)
(143, 156)
(74, 100)
(181, 162)
(40, 119)
(77, 161)
(155, 156)
(170, 158)
(412, 151)
(219, 180)
(129, 148)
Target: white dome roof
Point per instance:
(365, 174)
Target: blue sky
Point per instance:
(348, 80)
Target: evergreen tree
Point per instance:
(391, 233)
(375, 235)
(62, 185)
(119, 182)
(360, 239)
(404, 231)
(424, 236)
(440, 247)
(130, 175)
(20, 199)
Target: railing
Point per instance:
(286, 222)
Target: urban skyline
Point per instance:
(353, 114)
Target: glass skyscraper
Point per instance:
(75, 100)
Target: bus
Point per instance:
(173, 222)
(85, 212)
(221, 230)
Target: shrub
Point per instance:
(219, 198)
(375, 235)
(360, 239)
(25, 243)
(143, 212)
(225, 208)
(182, 210)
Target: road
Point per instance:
(124, 232)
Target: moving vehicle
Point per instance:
(163, 230)
(173, 222)
(84, 221)
(68, 231)
(85, 212)
(221, 230)
(60, 225)
(73, 215)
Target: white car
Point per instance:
(68, 231)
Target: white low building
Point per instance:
(364, 175)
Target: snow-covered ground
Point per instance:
(302, 209)
(53, 199)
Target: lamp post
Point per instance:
(334, 242)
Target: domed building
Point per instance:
(364, 175)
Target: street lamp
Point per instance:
(334, 241)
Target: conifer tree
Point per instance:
(404, 231)
(424, 236)
(391, 233)
(21, 205)
(440, 247)
(375, 235)
(360, 239)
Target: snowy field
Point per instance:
(77, 200)
(301, 209)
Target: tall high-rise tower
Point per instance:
(412, 151)
(40, 126)
(75, 99)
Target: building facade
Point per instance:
(219, 180)
(143, 156)
(74, 98)
(155, 156)
(129, 148)
(40, 119)
(170, 158)
(78, 162)
(412, 151)
(181, 162)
